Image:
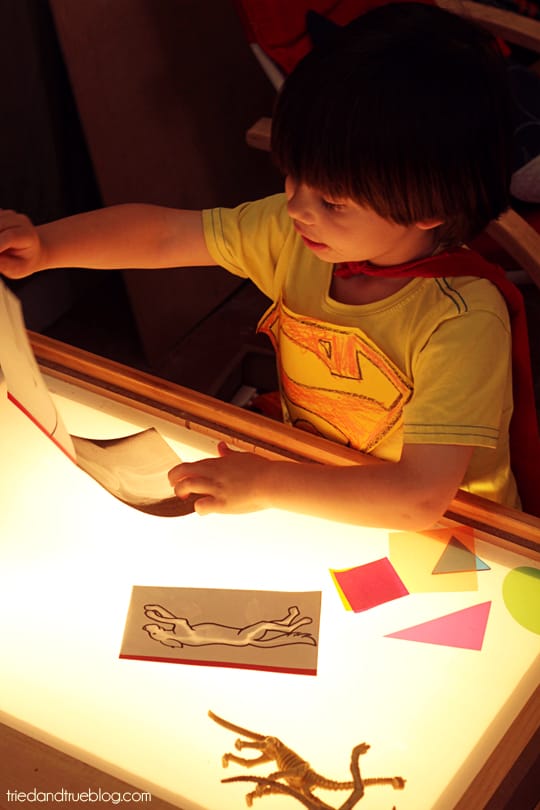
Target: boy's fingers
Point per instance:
(208, 505)
(172, 475)
(12, 237)
(195, 485)
(177, 473)
(189, 468)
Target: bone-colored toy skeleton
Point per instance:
(299, 780)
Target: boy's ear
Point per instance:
(429, 224)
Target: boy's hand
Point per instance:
(227, 484)
(20, 245)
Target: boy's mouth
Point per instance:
(310, 243)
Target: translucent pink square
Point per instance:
(369, 585)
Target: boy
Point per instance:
(394, 139)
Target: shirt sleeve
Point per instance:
(249, 240)
(463, 380)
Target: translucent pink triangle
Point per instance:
(464, 628)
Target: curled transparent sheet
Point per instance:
(133, 468)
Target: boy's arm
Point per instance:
(122, 236)
(411, 494)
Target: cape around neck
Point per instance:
(436, 265)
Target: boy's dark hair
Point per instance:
(405, 110)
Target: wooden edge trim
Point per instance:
(252, 431)
(520, 239)
(516, 28)
(258, 135)
(179, 404)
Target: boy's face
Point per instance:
(343, 231)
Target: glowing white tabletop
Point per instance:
(70, 554)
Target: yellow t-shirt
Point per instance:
(430, 364)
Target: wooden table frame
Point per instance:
(251, 431)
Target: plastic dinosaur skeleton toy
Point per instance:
(299, 780)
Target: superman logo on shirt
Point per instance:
(334, 381)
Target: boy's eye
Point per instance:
(331, 206)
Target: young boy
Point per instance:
(395, 141)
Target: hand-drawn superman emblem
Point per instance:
(335, 381)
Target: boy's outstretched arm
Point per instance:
(122, 236)
(411, 494)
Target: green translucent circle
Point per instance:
(521, 594)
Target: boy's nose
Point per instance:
(298, 203)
